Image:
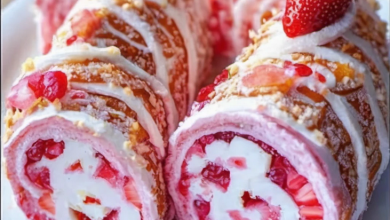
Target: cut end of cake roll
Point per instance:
(294, 129)
(85, 138)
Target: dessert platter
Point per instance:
(108, 121)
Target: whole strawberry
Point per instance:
(306, 16)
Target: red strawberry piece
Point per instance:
(306, 16)
(217, 174)
(206, 140)
(36, 151)
(281, 162)
(305, 196)
(249, 202)
(202, 208)
(54, 85)
(302, 70)
(113, 215)
(75, 167)
(77, 94)
(221, 77)
(295, 181)
(106, 172)
(236, 215)
(204, 93)
(311, 212)
(54, 149)
(91, 200)
(21, 95)
(278, 176)
(85, 23)
(40, 176)
(79, 215)
(237, 162)
(184, 185)
(321, 78)
(267, 211)
(225, 136)
(266, 75)
(46, 203)
(71, 40)
(131, 193)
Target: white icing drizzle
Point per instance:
(369, 51)
(136, 104)
(81, 52)
(124, 37)
(379, 125)
(132, 19)
(343, 111)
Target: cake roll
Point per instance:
(167, 39)
(296, 128)
(87, 124)
(231, 22)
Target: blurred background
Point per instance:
(4, 3)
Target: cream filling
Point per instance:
(252, 179)
(71, 188)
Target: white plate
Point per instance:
(18, 42)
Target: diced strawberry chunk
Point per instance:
(306, 16)
(295, 181)
(36, 151)
(236, 215)
(91, 200)
(131, 193)
(80, 216)
(221, 77)
(54, 85)
(46, 203)
(202, 208)
(75, 167)
(217, 174)
(54, 149)
(106, 172)
(39, 176)
(267, 211)
(204, 93)
(266, 75)
(306, 196)
(321, 78)
(113, 215)
(278, 176)
(21, 95)
(311, 212)
(237, 162)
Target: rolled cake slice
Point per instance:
(85, 137)
(295, 129)
(167, 39)
(50, 16)
(232, 20)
